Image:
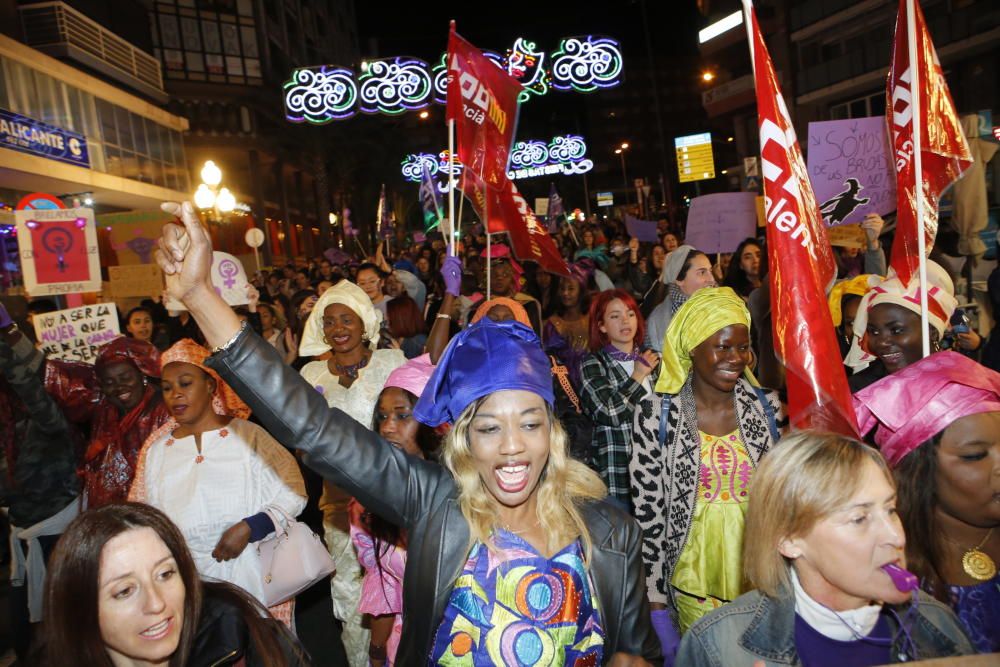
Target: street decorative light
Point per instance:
(620, 151)
(209, 196)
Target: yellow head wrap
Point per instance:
(857, 286)
(706, 312)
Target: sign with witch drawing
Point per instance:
(850, 169)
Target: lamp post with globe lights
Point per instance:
(209, 197)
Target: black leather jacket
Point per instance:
(422, 497)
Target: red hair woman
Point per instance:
(617, 388)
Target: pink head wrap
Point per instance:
(412, 376)
(501, 251)
(913, 405)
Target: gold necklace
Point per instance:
(522, 530)
(977, 564)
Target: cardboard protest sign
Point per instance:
(58, 250)
(850, 169)
(144, 280)
(717, 223)
(75, 334)
(229, 279)
(643, 230)
(847, 236)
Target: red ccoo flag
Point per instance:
(800, 260)
(482, 100)
(943, 149)
(506, 210)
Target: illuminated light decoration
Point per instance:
(587, 64)
(565, 155)
(529, 154)
(320, 95)
(415, 164)
(395, 86)
(440, 76)
(527, 65)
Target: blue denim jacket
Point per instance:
(755, 626)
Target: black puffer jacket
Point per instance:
(223, 638)
(422, 498)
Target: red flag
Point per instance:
(505, 210)
(944, 152)
(482, 100)
(801, 264)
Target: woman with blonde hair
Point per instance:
(824, 549)
(513, 554)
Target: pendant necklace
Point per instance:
(978, 564)
(351, 370)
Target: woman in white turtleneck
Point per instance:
(820, 527)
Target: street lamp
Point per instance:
(209, 196)
(620, 151)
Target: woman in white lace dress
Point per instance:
(345, 324)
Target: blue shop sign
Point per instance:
(28, 135)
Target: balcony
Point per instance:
(60, 31)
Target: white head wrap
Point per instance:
(346, 293)
(940, 299)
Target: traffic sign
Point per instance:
(695, 161)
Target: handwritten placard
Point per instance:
(145, 280)
(229, 279)
(644, 230)
(847, 236)
(76, 334)
(850, 169)
(717, 223)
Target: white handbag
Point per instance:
(292, 559)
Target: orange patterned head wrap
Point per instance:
(520, 314)
(224, 401)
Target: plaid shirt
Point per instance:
(609, 396)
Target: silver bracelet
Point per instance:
(225, 346)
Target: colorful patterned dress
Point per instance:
(709, 571)
(978, 607)
(516, 607)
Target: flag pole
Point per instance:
(489, 248)
(918, 175)
(747, 7)
(451, 184)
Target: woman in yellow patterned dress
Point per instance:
(690, 489)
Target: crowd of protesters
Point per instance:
(517, 466)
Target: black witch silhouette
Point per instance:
(836, 209)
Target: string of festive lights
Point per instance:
(565, 154)
(320, 96)
(587, 64)
(396, 85)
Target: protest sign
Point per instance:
(229, 279)
(58, 250)
(643, 230)
(143, 280)
(847, 236)
(75, 334)
(850, 169)
(717, 223)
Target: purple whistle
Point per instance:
(905, 580)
